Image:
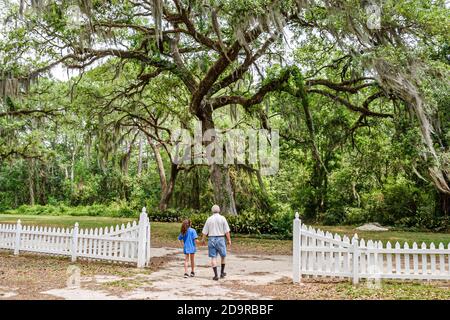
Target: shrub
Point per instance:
(198, 221)
(282, 224)
(333, 216)
(355, 215)
(35, 210)
(170, 215)
(254, 223)
(279, 224)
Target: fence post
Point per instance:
(142, 238)
(355, 259)
(296, 254)
(17, 242)
(75, 242)
(147, 261)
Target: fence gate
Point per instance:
(130, 243)
(316, 253)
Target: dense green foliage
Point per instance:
(279, 225)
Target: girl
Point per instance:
(189, 237)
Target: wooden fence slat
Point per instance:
(432, 259)
(424, 259)
(90, 242)
(388, 258)
(370, 258)
(303, 253)
(321, 258)
(380, 257)
(397, 260)
(328, 254)
(346, 256)
(337, 256)
(356, 261)
(95, 243)
(121, 244)
(442, 260)
(415, 260)
(100, 243)
(363, 257)
(448, 259)
(406, 257)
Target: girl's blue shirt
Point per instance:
(189, 240)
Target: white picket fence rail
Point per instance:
(317, 253)
(130, 243)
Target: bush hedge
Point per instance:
(244, 223)
(252, 223)
(114, 210)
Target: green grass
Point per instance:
(165, 234)
(64, 221)
(396, 290)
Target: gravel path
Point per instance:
(168, 281)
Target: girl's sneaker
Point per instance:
(186, 275)
(192, 274)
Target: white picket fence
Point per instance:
(320, 254)
(129, 244)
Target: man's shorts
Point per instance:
(217, 245)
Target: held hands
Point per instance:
(202, 242)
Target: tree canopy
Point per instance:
(360, 99)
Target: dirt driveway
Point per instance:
(250, 276)
(40, 277)
(168, 282)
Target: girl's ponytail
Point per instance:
(185, 226)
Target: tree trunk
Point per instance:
(261, 182)
(139, 168)
(223, 190)
(31, 180)
(43, 186)
(312, 203)
(319, 173)
(219, 176)
(125, 160)
(195, 194)
(159, 164)
(167, 188)
(443, 206)
(166, 194)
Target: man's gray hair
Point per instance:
(215, 209)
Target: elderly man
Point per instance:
(216, 228)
